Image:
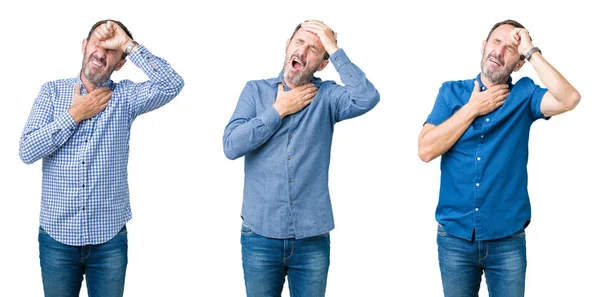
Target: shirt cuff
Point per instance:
(65, 121)
(339, 58)
(271, 119)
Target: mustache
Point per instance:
(497, 57)
(101, 60)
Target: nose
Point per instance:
(501, 50)
(302, 51)
(101, 52)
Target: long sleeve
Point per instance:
(357, 96)
(163, 84)
(248, 130)
(44, 131)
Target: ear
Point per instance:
(323, 64)
(287, 43)
(483, 47)
(120, 64)
(519, 65)
(83, 44)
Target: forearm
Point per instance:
(164, 83)
(41, 140)
(437, 140)
(245, 135)
(359, 95)
(557, 85)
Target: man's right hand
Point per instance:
(293, 100)
(488, 100)
(87, 106)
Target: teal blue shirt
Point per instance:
(483, 187)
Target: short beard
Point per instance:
(496, 77)
(96, 79)
(302, 78)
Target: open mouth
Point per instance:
(297, 63)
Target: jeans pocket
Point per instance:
(246, 231)
(441, 231)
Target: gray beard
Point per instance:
(496, 77)
(298, 80)
(96, 79)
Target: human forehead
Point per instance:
(306, 36)
(502, 32)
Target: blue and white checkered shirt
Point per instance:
(85, 194)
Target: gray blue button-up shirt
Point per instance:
(286, 193)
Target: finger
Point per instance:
(310, 88)
(500, 98)
(280, 88)
(103, 106)
(305, 87)
(99, 91)
(76, 90)
(308, 96)
(497, 88)
(476, 87)
(105, 98)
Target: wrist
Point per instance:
(471, 110)
(532, 51)
(279, 109)
(77, 118)
(130, 47)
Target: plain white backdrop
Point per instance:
(186, 196)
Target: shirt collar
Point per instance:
(483, 87)
(108, 83)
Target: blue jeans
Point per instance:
(63, 266)
(266, 262)
(462, 263)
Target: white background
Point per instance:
(186, 196)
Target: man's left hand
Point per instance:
(521, 38)
(326, 35)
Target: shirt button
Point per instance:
(478, 159)
(85, 141)
(476, 209)
(83, 186)
(289, 157)
(477, 184)
(82, 162)
(83, 208)
(337, 59)
(487, 119)
(290, 180)
(293, 117)
(290, 137)
(350, 74)
(292, 202)
(481, 135)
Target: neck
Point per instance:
(290, 85)
(89, 86)
(488, 84)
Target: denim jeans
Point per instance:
(462, 263)
(63, 266)
(267, 261)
